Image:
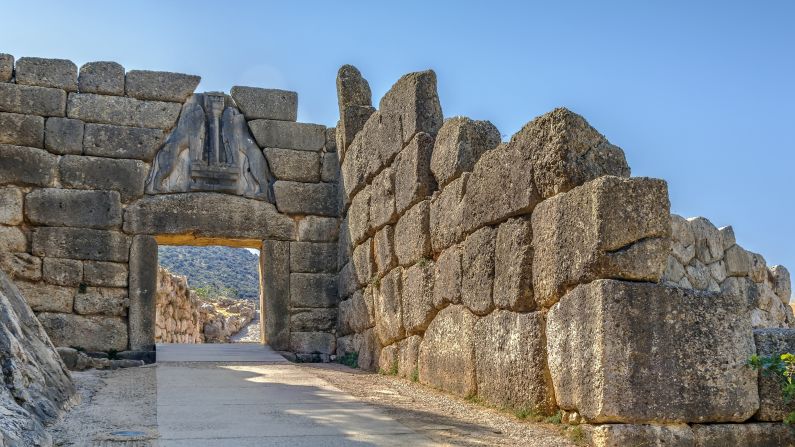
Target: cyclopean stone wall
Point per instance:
(537, 274)
(99, 165)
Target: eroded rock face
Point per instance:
(37, 386)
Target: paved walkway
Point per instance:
(260, 399)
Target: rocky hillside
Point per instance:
(214, 271)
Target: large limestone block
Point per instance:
(640, 352)
(73, 208)
(13, 239)
(743, 435)
(22, 130)
(43, 297)
(412, 167)
(447, 352)
(207, 215)
(510, 356)
(143, 281)
(41, 101)
(408, 352)
(708, 240)
(160, 85)
(306, 198)
(10, 206)
(352, 88)
(384, 250)
(357, 313)
(288, 135)
(683, 241)
(313, 290)
(621, 435)
(289, 164)
(348, 283)
(102, 301)
(27, 166)
(6, 67)
(309, 257)
(460, 143)
(773, 343)
(782, 285)
(275, 268)
(106, 274)
(500, 186)
(344, 244)
(122, 111)
(91, 332)
(447, 214)
(388, 308)
(329, 167)
(105, 140)
(63, 272)
(312, 343)
(382, 200)
(417, 297)
(359, 216)
(567, 152)
(311, 320)
(36, 385)
(81, 243)
(611, 227)
(369, 350)
(447, 278)
(318, 229)
(21, 266)
(105, 78)
(55, 73)
(264, 103)
(351, 122)
(412, 234)
(413, 98)
(477, 271)
(125, 176)
(64, 136)
(363, 263)
(513, 264)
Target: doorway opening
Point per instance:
(208, 294)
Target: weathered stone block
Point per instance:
(22, 130)
(81, 243)
(207, 215)
(55, 73)
(309, 257)
(43, 297)
(412, 234)
(93, 333)
(312, 320)
(621, 435)
(567, 152)
(62, 272)
(743, 435)
(489, 197)
(160, 85)
(125, 176)
(143, 292)
(780, 278)
(64, 136)
(105, 78)
(105, 274)
(357, 313)
(352, 88)
(414, 99)
(288, 135)
(344, 243)
(447, 214)
(359, 216)
(105, 140)
(513, 264)
(352, 120)
(412, 167)
(611, 227)
(21, 266)
(330, 167)
(382, 200)
(318, 229)
(32, 100)
(447, 278)
(477, 271)
(388, 309)
(348, 283)
(505, 340)
(13, 239)
(673, 376)
(737, 261)
(6, 67)
(276, 287)
(122, 111)
(306, 198)
(313, 290)
(102, 301)
(683, 241)
(708, 240)
(74, 208)
(460, 143)
(447, 352)
(289, 164)
(27, 166)
(773, 343)
(312, 342)
(408, 352)
(362, 261)
(417, 297)
(10, 205)
(263, 103)
(384, 250)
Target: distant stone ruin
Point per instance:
(534, 274)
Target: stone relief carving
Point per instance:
(211, 149)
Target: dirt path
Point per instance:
(249, 334)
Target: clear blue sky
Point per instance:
(698, 93)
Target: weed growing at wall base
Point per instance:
(782, 367)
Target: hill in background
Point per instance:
(214, 270)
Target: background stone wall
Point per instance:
(178, 310)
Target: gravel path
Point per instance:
(249, 334)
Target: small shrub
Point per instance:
(415, 375)
(577, 435)
(474, 399)
(555, 418)
(350, 359)
(782, 367)
(393, 370)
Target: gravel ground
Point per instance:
(446, 419)
(249, 334)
